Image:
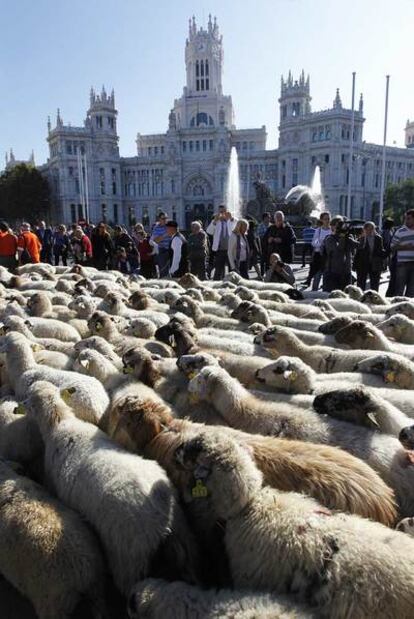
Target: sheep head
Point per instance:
(141, 327)
(139, 300)
(354, 405)
(194, 293)
(233, 278)
(359, 334)
(251, 312)
(222, 470)
(140, 362)
(353, 292)
(406, 437)
(190, 365)
(101, 324)
(284, 374)
(47, 405)
(372, 297)
(277, 339)
(334, 325)
(245, 294)
(177, 336)
(404, 307)
(394, 326)
(140, 420)
(188, 280)
(230, 299)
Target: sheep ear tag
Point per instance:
(20, 409)
(389, 377)
(199, 491)
(191, 375)
(128, 369)
(66, 394)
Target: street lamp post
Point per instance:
(381, 204)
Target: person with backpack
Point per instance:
(81, 247)
(178, 250)
(28, 246)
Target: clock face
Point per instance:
(200, 47)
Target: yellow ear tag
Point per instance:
(193, 398)
(98, 326)
(66, 394)
(128, 370)
(20, 409)
(389, 377)
(191, 375)
(199, 491)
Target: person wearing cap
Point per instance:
(28, 245)
(8, 246)
(178, 250)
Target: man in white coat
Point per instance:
(220, 229)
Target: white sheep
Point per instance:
(175, 600)
(47, 552)
(50, 328)
(87, 396)
(362, 335)
(359, 405)
(399, 328)
(286, 542)
(280, 341)
(403, 307)
(128, 500)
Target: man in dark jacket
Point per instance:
(338, 249)
(369, 257)
(178, 250)
(279, 239)
(45, 236)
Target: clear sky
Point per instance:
(52, 52)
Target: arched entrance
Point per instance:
(198, 201)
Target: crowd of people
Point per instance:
(336, 249)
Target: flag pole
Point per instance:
(381, 205)
(351, 149)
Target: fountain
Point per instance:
(233, 203)
(308, 199)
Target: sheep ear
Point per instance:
(155, 357)
(202, 471)
(84, 363)
(369, 334)
(172, 341)
(66, 394)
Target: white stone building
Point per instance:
(183, 171)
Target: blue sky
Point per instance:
(52, 52)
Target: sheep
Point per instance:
(347, 305)
(103, 325)
(333, 326)
(256, 295)
(176, 600)
(280, 341)
(243, 411)
(404, 307)
(191, 308)
(141, 328)
(329, 474)
(361, 406)
(128, 500)
(87, 396)
(83, 305)
(42, 268)
(362, 335)
(47, 552)
(95, 342)
(50, 328)
(242, 368)
(326, 558)
(39, 304)
(398, 327)
(337, 294)
(15, 323)
(250, 312)
(395, 370)
(292, 375)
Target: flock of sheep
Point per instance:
(213, 449)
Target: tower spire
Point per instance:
(361, 104)
(337, 101)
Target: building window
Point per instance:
(115, 213)
(191, 146)
(207, 84)
(184, 146)
(73, 213)
(197, 69)
(327, 132)
(283, 164)
(284, 111)
(155, 150)
(283, 181)
(110, 122)
(197, 146)
(103, 211)
(295, 165)
(99, 122)
(172, 185)
(296, 109)
(102, 180)
(321, 134)
(314, 136)
(149, 151)
(162, 150)
(204, 145)
(113, 171)
(377, 180)
(211, 144)
(70, 171)
(326, 158)
(68, 148)
(80, 211)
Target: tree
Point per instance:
(398, 199)
(24, 194)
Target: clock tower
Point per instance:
(203, 102)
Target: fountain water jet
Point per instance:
(233, 203)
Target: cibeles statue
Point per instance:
(264, 200)
(172, 121)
